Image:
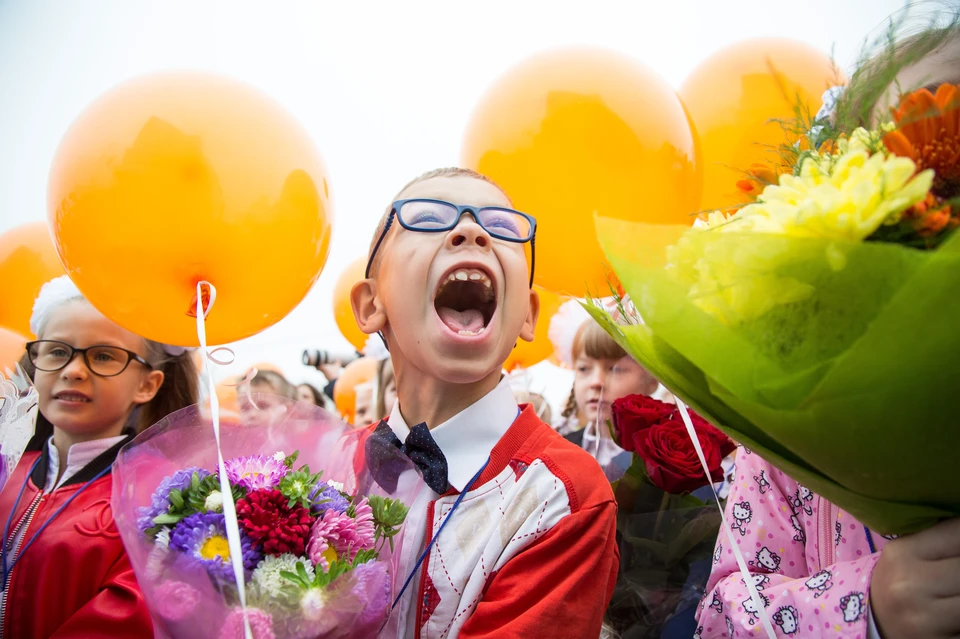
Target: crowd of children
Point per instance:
(534, 549)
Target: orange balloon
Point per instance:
(27, 261)
(526, 354)
(175, 178)
(735, 98)
(574, 132)
(11, 349)
(342, 310)
(359, 371)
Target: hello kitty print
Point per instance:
(776, 525)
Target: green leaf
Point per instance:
(176, 499)
(302, 571)
(167, 519)
(293, 577)
(291, 459)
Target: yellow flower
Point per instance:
(844, 197)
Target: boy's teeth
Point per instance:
(463, 275)
(470, 333)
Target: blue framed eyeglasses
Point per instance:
(436, 216)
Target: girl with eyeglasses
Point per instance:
(65, 572)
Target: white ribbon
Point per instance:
(229, 508)
(741, 562)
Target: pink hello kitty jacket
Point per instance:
(810, 561)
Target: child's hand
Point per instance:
(915, 589)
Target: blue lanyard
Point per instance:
(6, 529)
(449, 516)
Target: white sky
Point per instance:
(385, 88)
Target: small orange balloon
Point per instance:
(574, 132)
(11, 349)
(526, 354)
(735, 99)
(175, 178)
(359, 371)
(27, 261)
(342, 310)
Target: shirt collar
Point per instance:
(78, 456)
(467, 438)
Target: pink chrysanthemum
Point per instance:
(255, 471)
(261, 624)
(176, 600)
(365, 527)
(336, 536)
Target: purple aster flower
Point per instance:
(202, 537)
(331, 498)
(255, 471)
(160, 501)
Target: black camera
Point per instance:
(317, 358)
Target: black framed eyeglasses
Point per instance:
(436, 216)
(104, 361)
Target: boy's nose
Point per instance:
(469, 233)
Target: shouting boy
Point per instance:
(528, 521)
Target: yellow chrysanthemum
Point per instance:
(844, 196)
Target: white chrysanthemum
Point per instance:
(338, 486)
(280, 456)
(267, 574)
(214, 501)
(312, 604)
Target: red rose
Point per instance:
(635, 413)
(671, 460)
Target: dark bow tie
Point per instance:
(419, 446)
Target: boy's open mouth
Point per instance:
(466, 301)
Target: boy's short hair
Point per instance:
(451, 171)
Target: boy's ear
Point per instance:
(367, 309)
(149, 386)
(533, 312)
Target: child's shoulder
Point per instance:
(583, 480)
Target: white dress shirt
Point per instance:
(78, 456)
(466, 440)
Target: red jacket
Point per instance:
(531, 552)
(75, 580)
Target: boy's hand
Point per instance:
(915, 589)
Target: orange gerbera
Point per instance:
(757, 178)
(928, 132)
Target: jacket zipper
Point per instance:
(24, 524)
(825, 533)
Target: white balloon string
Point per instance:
(741, 562)
(229, 508)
